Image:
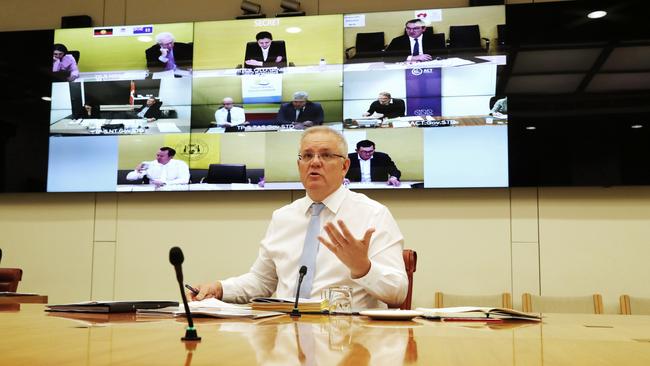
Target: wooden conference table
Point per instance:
(31, 336)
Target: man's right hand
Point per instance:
(206, 290)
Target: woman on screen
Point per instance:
(64, 64)
(265, 52)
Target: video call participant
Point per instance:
(162, 171)
(302, 112)
(266, 53)
(229, 116)
(413, 46)
(150, 111)
(368, 165)
(387, 107)
(167, 54)
(361, 243)
(500, 108)
(64, 64)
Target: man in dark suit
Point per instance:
(150, 111)
(414, 46)
(367, 165)
(385, 106)
(301, 112)
(266, 52)
(168, 55)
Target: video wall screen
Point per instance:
(221, 105)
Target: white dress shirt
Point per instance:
(364, 165)
(276, 268)
(174, 172)
(237, 116)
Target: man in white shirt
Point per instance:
(361, 243)
(162, 171)
(230, 116)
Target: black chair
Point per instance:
(76, 55)
(467, 38)
(198, 175)
(227, 173)
(366, 45)
(254, 175)
(502, 37)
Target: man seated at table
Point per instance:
(368, 165)
(302, 112)
(229, 116)
(414, 46)
(387, 107)
(150, 110)
(360, 243)
(162, 171)
(167, 54)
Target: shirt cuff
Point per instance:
(228, 291)
(163, 59)
(372, 278)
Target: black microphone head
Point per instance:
(303, 270)
(176, 256)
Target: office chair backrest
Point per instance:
(9, 278)
(254, 175)
(369, 42)
(198, 175)
(227, 173)
(76, 55)
(410, 263)
(464, 36)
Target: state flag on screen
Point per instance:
(132, 93)
(103, 31)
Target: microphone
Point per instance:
(295, 313)
(176, 259)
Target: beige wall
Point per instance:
(553, 241)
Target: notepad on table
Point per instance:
(476, 313)
(285, 305)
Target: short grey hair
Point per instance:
(300, 95)
(386, 94)
(341, 143)
(164, 35)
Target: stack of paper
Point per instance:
(285, 305)
(213, 308)
(477, 313)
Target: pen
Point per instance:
(194, 291)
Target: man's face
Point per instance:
(163, 157)
(264, 42)
(414, 30)
(59, 54)
(365, 153)
(299, 103)
(321, 177)
(383, 99)
(151, 102)
(167, 43)
(227, 104)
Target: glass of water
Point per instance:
(339, 299)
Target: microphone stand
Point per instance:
(295, 313)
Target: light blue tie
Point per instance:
(310, 250)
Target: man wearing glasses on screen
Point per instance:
(414, 45)
(355, 241)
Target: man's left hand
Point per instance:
(351, 251)
(393, 181)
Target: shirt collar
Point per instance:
(360, 160)
(332, 202)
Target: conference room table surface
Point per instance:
(69, 126)
(31, 336)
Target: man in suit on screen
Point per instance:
(368, 165)
(414, 46)
(302, 112)
(167, 54)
